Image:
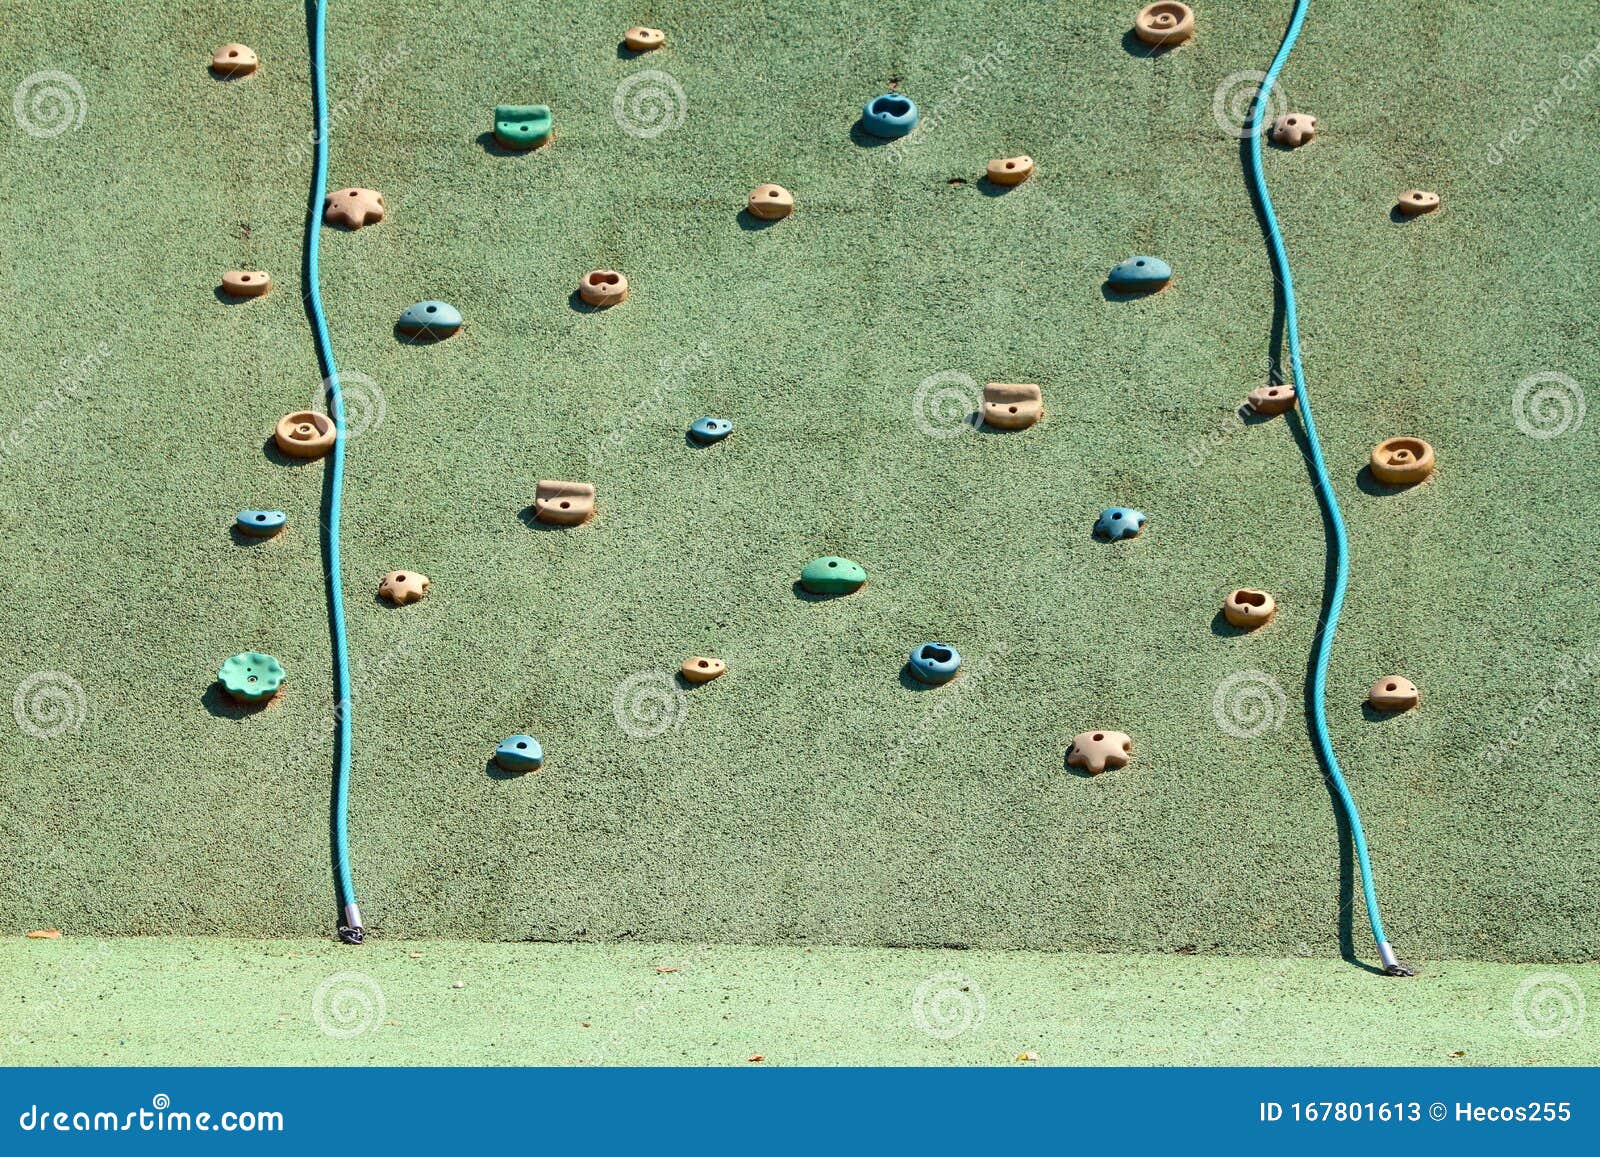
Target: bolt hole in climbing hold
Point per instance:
(934, 663)
(1164, 24)
(1401, 461)
(519, 754)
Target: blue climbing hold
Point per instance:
(890, 115)
(708, 430)
(260, 523)
(519, 753)
(1140, 275)
(935, 663)
(434, 320)
(1119, 522)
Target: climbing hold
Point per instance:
(642, 39)
(1293, 129)
(890, 115)
(563, 503)
(708, 430)
(1272, 400)
(1401, 461)
(353, 208)
(43, 934)
(246, 283)
(1009, 170)
(234, 60)
(523, 126)
(770, 202)
(403, 586)
(251, 677)
(305, 434)
(519, 753)
(1393, 693)
(602, 288)
(832, 575)
(260, 523)
(1164, 24)
(1119, 522)
(1140, 275)
(1012, 405)
(699, 669)
(431, 320)
(1248, 609)
(934, 663)
(1416, 201)
(1094, 751)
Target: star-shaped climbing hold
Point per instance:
(353, 208)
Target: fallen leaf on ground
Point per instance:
(45, 934)
(758, 1057)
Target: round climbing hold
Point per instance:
(642, 39)
(1163, 24)
(251, 677)
(1009, 170)
(260, 523)
(1401, 461)
(1273, 400)
(403, 586)
(234, 60)
(1094, 751)
(701, 669)
(603, 288)
(523, 126)
(519, 753)
(246, 282)
(1248, 609)
(770, 202)
(352, 208)
(1012, 405)
(1293, 129)
(1414, 202)
(1117, 522)
(708, 430)
(934, 663)
(430, 320)
(832, 575)
(889, 116)
(305, 434)
(1393, 693)
(1139, 275)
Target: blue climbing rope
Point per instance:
(1324, 484)
(351, 930)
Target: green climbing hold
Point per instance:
(832, 575)
(522, 126)
(251, 677)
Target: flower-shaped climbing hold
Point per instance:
(353, 208)
(251, 677)
(1094, 751)
(1117, 522)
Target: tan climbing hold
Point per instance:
(1094, 751)
(1393, 693)
(403, 586)
(45, 934)
(1012, 406)
(234, 60)
(1401, 461)
(1009, 170)
(603, 288)
(642, 39)
(770, 202)
(1164, 24)
(700, 669)
(246, 282)
(1293, 129)
(1248, 609)
(305, 434)
(1272, 400)
(353, 208)
(563, 503)
(1414, 202)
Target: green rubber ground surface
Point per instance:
(811, 796)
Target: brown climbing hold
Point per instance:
(1094, 751)
(1164, 24)
(1012, 406)
(563, 503)
(770, 202)
(353, 208)
(1272, 400)
(1293, 129)
(1414, 202)
(403, 586)
(1009, 170)
(234, 60)
(45, 934)
(603, 288)
(699, 669)
(642, 39)
(1248, 609)
(246, 282)
(1401, 461)
(305, 434)
(1393, 693)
